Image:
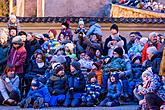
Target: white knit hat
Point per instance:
(70, 46)
(17, 39)
(144, 40)
(81, 21)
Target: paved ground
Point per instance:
(123, 107)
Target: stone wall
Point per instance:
(76, 8)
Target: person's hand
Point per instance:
(7, 79)
(142, 101)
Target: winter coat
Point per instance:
(106, 48)
(94, 29)
(114, 89)
(4, 49)
(77, 81)
(8, 87)
(57, 85)
(154, 86)
(86, 63)
(17, 57)
(93, 90)
(92, 46)
(99, 76)
(65, 32)
(136, 71)
(33, 69)
(31, 47)
(154, 63)
(144, 51)
(135, 50)
(42, 92)
(162, 65)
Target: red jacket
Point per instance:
(17, 57)
(144, 52)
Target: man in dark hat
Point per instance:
(114, 30)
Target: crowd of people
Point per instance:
(77, 69)
(151, 5)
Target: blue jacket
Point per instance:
(77, 81)
(57, 85)
(95, 29)
(114, 89)
(42, 91)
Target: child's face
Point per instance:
(94, 67)
(112, 79)
(87, 57)
(10, 74)
(67, 49)
(115, 55)
(82, 55)
(34, 88)
(145, 78)
(13, 32)
(94, 38)
(98, 53)
(13, 20)
(60, 73)
(72, 69)
(81, 26)
(93, 80)
(137, 41)
(61, 37)
(23, 37)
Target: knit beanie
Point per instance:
(151, 50)
(81, 21)
(58, 68)
(119, 51)
(114, 26)
(35, 82)
(116, 75)
(60, 59)
(70, 46)
(17, 40)
(53, 31)
(76, 65)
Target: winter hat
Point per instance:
(138, 37)
(17, 40)
(38, 51)
(60, 59)
(151, 50)
(143, 40)
(91, 75)
(39, 36)
(97, 64)
(76, 65)
(136, 58)
(35, 82)
(46, 36)
(55, 65)
(66, 23)
(116, 75)
(81, 21)
(58, 68)
(138, 34)
(13, 16)
(114, 26)
(116, 38)
(70, 46)
(119, 51)
(92, 22)
(148, 72)
(53, 31)
(53, 59)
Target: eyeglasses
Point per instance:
(38, 57)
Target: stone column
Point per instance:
(10, 7)
(20, 8)
(40, 8)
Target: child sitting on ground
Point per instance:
(90, 98)
(37, 97)
(114, 91)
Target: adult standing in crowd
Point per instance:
(114, 30)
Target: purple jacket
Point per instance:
(17, 57)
